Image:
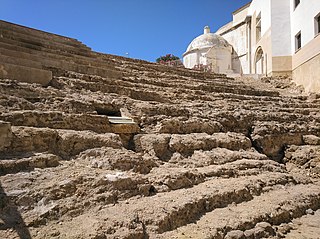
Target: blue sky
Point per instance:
(145, 29)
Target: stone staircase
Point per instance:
(208, 156)
(30, 55)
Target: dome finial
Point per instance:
(206, 30)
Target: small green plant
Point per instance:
(167, 58)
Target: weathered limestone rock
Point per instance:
(306, 156)
(153, 144)
(178, 126)
(236, 234)
(42, 160)
(29, 139)
(70, 142)
(164, 145)
(125, 128)
(25, 74)
(305, 227)
(223, 155)
(115, 159)
(59, 120)
(5, 135)
(271, 137)
(187, 144)
(261, 230)
(311, 139)
(65, 143)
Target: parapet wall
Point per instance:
(31, 55)
(308, 75)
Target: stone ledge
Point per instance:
(24, 56)
(38, 33)
(60, 120)
(20, 61)
(25, 74)
(5, 135)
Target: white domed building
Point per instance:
(211, 51)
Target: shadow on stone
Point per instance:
(11, 217)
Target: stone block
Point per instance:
(49, 57)
(58, 120)
(125, 128)
(5, 135)
(25, 74)
(311, 139)
(17, 60)
(237, 234)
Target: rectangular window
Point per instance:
(298, 41)
(258, 27)
(317, 24)
(296, 3)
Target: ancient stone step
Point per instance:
(271, 138)
(171, 177)
(64, 143)
(174, 80)
(134, 93)
(26, 91)
(174, 209)
(305, 227)
(64, 62)
(237, 121)
(164, 145)
(123, 87)
(176, 125)
(5, 135)
(20, 61)
(39, 47)
(15, 28)
(219, 156)
(305, 156)
(107, 158)
(59, 120)
(28, 163)
(275, 207)
(17, 96)
(212, 85)
(46, 53)
(29, 39)
(47, 58)
(25, 74)
(224, 122)
(90, 170)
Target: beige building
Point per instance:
(277, 37)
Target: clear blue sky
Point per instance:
(146, 29)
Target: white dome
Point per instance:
(207, 40)
(209, 50)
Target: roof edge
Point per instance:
(241, 8)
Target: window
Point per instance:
(298, 41)
(258, 27)
(296, 3)
(317, 24)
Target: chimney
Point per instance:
(206, 30)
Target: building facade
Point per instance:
(277, 37)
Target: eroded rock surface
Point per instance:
(207, 157)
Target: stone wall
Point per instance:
(238, 39)
(308, 75)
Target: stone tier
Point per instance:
(38, 34)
